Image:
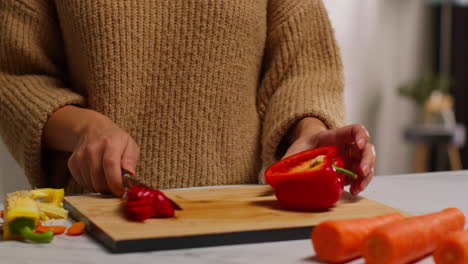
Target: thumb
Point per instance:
(298, 146)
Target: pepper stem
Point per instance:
(29, 234)
(346, 172)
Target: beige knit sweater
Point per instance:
(207, 88)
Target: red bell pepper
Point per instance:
(310, 180)
(144, 203)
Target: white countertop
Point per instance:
(413, 193)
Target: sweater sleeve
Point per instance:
(302, 73)
(32, 87)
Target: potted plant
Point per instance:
(431, 94)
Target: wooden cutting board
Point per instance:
(211, 217)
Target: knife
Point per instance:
(129, 181)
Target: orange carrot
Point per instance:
(453, 249)
(76, 229)
(341, 240)
(412, 238)
(1, 213)
(56, 229)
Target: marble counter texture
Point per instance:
(413, 193)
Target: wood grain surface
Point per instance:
(211, 216)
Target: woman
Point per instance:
(179, 93)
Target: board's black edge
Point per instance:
(208, 240)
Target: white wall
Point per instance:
(383, 43)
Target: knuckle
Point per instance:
(73, 171)
(71, 161)
(109, 162)
(108, 141)
(129, 160)
(79, 156)
(360, 129)
(372, 148)
(364, 131)
(91, 149)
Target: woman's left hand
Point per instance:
(352, 141)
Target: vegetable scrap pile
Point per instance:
(26, 211)
(394, 239)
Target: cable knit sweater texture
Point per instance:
(207, 88)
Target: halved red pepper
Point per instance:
(310, 180)
(144, 203)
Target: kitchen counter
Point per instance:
(412, 193)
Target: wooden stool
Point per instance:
(443, 140)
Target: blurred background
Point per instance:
(405, 67)
(383, 44)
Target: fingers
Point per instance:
(92, 155)
(361, 183)
(353, 152)
(111, 162)
(85, 167)
(368, 159)
(130, 157)
(354, 148)
(96, 164)
(74, 168)
(366, 169)
(345, 135)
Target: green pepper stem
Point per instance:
(29, 234)
(346, 172)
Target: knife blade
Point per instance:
(128, 182)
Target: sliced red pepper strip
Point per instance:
(144, 203)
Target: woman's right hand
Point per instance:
(100, 148)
